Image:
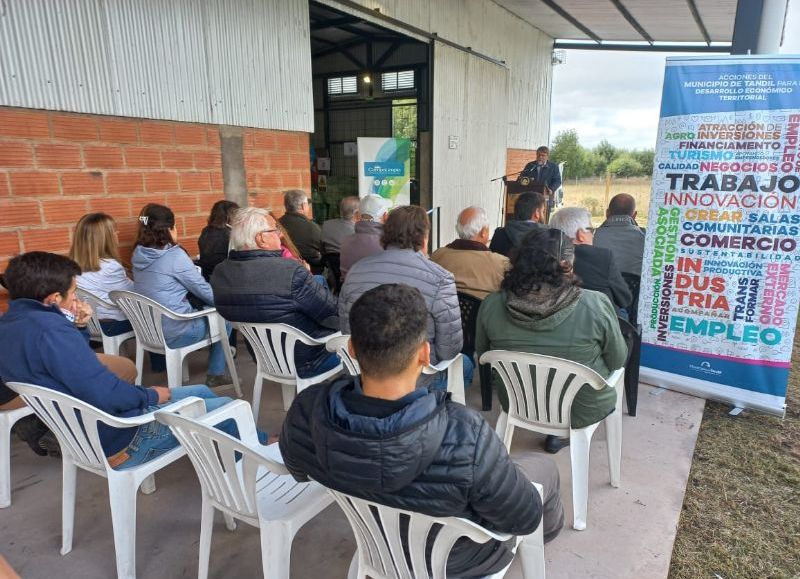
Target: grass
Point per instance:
(591, 193)
(741, 513)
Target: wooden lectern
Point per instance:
(525, 185)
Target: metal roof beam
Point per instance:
(632, 21)
(718, 49)
(571, 19)
(334, 22)
(338, 48)
(699, 21)
(389, 52)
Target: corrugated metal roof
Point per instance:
(663, 20)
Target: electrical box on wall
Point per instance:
(452, 142)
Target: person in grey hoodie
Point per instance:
(528, 215)
(405, 260)
(164, 272)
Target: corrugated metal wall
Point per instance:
(469, 104)
(237, 62)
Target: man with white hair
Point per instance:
(255, 284)
(366, 241)
(478, 271)
(335, 230)
(305, 234)
(594, 266)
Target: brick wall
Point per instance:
(516, 159)
(274, 162)
(55, 167)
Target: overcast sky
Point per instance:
(617, 95)
(609, 95)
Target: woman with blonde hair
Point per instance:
(95, 248)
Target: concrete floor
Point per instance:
(630, 529)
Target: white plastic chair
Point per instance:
(380, 539)
(7, 420)
(274, 346)
(454, 367)
(75, 425)
(256, 489)
(111, 344)
(540, 394)
(145, 317)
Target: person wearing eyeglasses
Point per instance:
(257, 284)
(541, 309)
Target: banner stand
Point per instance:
(719, 291)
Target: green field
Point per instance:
(591, 193)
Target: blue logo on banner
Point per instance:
(384, 169)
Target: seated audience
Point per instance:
(381, 438)
(214, 238)
(366, 241)
(41, 346)
(255, 284)
(620, 234)
(541, 310)
(529, 213)
(335, 230)
(477, 271)
(164, 272)
(305, 234)
(95, 250)
(405, 260)
(594, 266)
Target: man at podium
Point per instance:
(542, 170)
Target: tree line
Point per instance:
(604, 158)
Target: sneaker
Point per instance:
(554, 443)
(218, 381)
(30, 429)
(49, 444)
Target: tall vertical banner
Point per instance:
(384, 168)
(719, 290)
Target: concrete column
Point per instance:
(770, 31)
(233, 174)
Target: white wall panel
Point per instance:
(238, 62)
(470, 104)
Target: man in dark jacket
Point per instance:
(543, 170)
(306, 235)
(255, 284)
(594, 266)
(382, 439)
(528, 213)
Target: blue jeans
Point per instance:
(197, 330)
(158, 363)
(440, 381)
(115, 327)
(154, 439)
(317, 367)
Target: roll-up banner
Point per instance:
(719, 289)
(384, 168)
